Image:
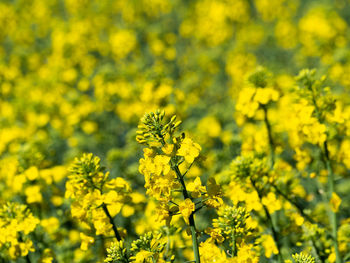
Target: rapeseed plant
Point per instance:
(260, 173)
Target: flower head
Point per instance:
(186, 208)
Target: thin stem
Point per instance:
(189, 167)
(104, 251)
(198, 208)
(234, 251)
(115, 230)
(27, 256)
(194, 239)
(182, 182)
(191, 218)
(202, 201)
(317, 250)
(272, 163)
(270, 222)
(167, 245)
(332, 214)
(269, 134)
(173, 203)
(293, 202)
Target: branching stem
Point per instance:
(269, 134)
(191, 217)
(327, 162)
(115, 230)
(332, 214)
(270, 222)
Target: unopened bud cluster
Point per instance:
(232, 220)
(259, 78)
(148, 248)
(303, 258)
(117, 253)
(316, 93)
(249, 168)
(153, 129)
(149, 242)
(88, 172)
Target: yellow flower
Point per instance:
(21, 249)
(245, 103)
(33, 194)
(196, 188)
(77, 211)
(265, 95)
(269, 245)
(92, 198)
(50, 224)
(162, 164)
(157, 165)
(210, 126)
(215, 234)
(110, 197)
(246, 254)
(271, 202)
(209, 252)
(47, 256)
(32, 173)
(335, 202)
(119, 183)
(85, 241)
(128, 211)
(143, 256)
(332, 256)
(122, 43)
(213, 188)
(186, 208)
(189, 150)
(168, 149)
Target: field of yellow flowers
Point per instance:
(151, 131)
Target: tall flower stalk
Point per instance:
(94, 196)
(165, 155)
(311, 89)
(262, 94)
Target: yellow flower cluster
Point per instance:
(77, 76)
(96, 199)
(16, 223)
(161, 168)
(159, 178)
(251, 99)
(186, 208)
(257, 95)
(189, 150)
(303, 258)
(211, 253)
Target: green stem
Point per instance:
(194, 239)
(269, 134)
(332, 214)
(191, 218)
(234, 252)
(272, 163)
(115, 230)
(296, 205)
(270, 222)
(317, 250)
(27, 256)
(167, 245)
